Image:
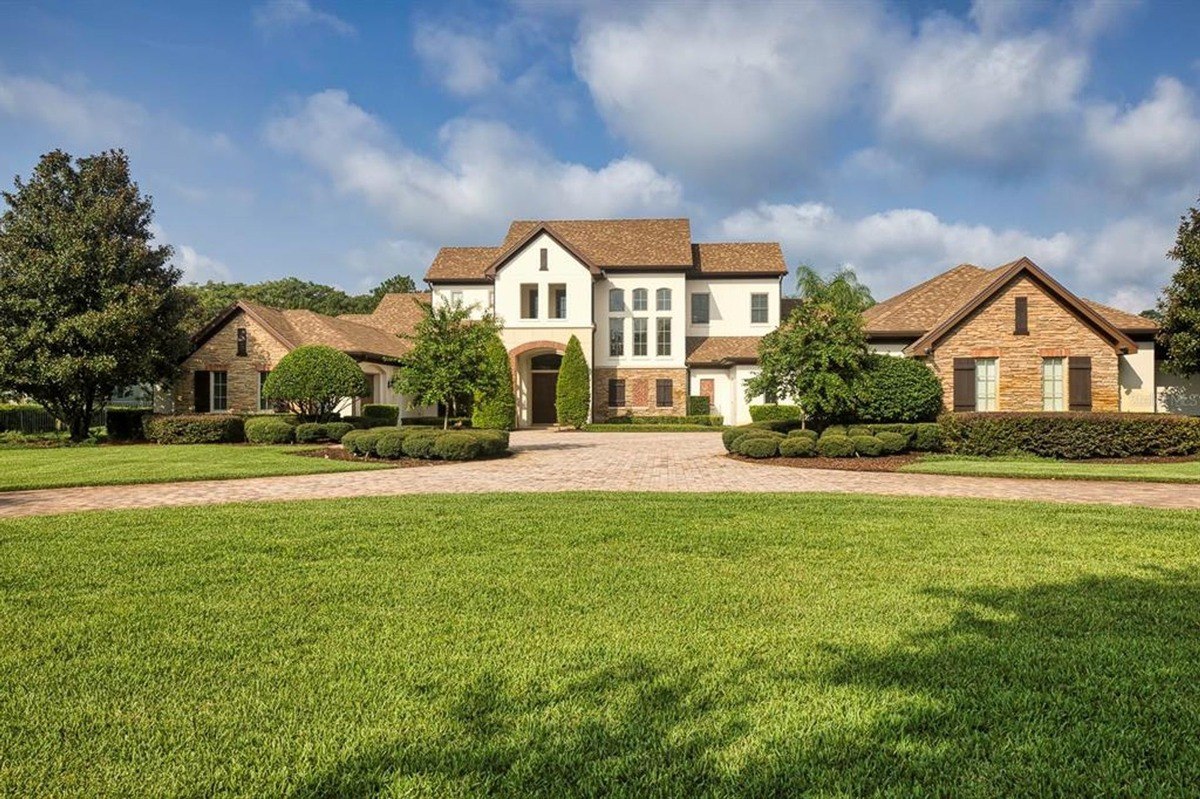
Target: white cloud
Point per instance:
(198, 268)
(281, 15)
(372, 265)
(1153, 144)
(488, 174)
(464, 63)
(892, 250)
(719, 91)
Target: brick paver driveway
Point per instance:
(551, 461)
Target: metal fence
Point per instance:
(28, 419)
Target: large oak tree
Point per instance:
(1180, 303)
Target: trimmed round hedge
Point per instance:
(867, 446)
(265, 430)
(361, 442)
(892, 443)
(811, 435)
(314, 379)
(834, 430)
(335, 430)
(420, 444)
(201, 428)
(457, 446)
(311, 432)
(757, 446)
(798, 447)
(835, 446)
(426, 443)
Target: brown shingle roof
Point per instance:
(461, 263)
(342, 334)
(396, 313)
(721, 350)
(734, 258)
(1123, 320)
(617, 243)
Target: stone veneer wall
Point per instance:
(1054, 331)
(219, 354)
(640, 392)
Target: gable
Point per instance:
(525, 259)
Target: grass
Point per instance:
(602, 644)
(1174, 472)
(150, 463)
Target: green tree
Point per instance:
(892, 389)
(449, 358)
(841, 287)
(396, 284)
(313, 380)
(816, 354)
(1179, 305)
(88, 302)
(496, 408)
(573, 393)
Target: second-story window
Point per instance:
(759, 314)
(558, 301)
(663, 335)
(616, 300)
(616, 337)
(700, 309)
(639, 299)
(242, 341)
(529, 301)
(662, 299)
(456, 298)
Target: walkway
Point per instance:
(549, 461)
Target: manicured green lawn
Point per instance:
(149, 463)
(1179, 472)
(602, 644)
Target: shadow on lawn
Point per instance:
(1089, 687)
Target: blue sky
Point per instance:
(346, 142)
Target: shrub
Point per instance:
(494, 442)
(927, 437)
(265, 430)
(436, 421)
(496, 409)
(707, 420)
(729, 437)
(778, 425)
(798, 447)
(458, 446)
(125, 424)
(858, 430)
(699, 406)
(357, 422)
(335, 430)
(390, 443)
(314, 379)
(906, 430)
(421, 443)
(573, 392)
(754, 446)
(892, 443)
(834, 430)
(361, 442)
(194, 429)
(1071, 435)
(835, 446)
(811, 435)
(309, 432)
(772, 412)
(892, 389)
(381, 415)
(867, 446)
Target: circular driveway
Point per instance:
(546, 461)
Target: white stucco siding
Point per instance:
(895, 348)
(1177, 394)
(1136, 379)
(651, 283)
(722, 402)
(477, 296)
(729, 306)
(563, 269)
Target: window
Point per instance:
(663, 335)
(616, 393)
(372, 389)
(662, 299)
(640, 299)
(1021, 325)
(759, 315)
(547, 362)
(662, 393)
(700, 312)
(220, 391)
(640, 335)
(529, 301)
(1052, 384)
(545, 260)
(616, 336)
(456, 298)
(985, 384)
(241, 342)
(616, 299)
(558, 301)
(263, 404)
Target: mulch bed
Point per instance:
(885, 463)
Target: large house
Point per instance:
(662, 318)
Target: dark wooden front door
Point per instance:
(542, 404)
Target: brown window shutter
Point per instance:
(203, 401)
(1079, 383)
(1022, 328)
(964, 384)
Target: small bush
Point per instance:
(125, 424)
(458, 446)
(335, 430)
(858, 430)
(892, 389)
(390, 444)
(811, 435)
(493, 442)
(194, 429)
(361, 442)
(357, 422)
(421, 444)
(758, 446)
(904, 429)
(928, 437)
(309, 432)
(656, 421)
(834, 430)
(867, 446)
(381, 415)
(835, 446)
(1071, 435)
(729, 437)
(892, 443)
(699, 406)
(778, 425)
(798, 447)
(265, 430)
(774, 413)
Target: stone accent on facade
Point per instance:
(640, 392)
(989, 332)
(219, 354)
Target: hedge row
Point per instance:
(707, 420)
(1071, 436)
(426, 444)
(772, 413)
(784, 437)
(201, 428)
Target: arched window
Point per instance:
(616, 299)
(662, 299)
(639, 299)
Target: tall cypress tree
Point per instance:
(495, 406)
(573, 393)
(1180, 302)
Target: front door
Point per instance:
(544, 384)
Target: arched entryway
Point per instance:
(543, 385)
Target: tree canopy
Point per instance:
(495, 408)
(88, 302)
(841, 287)
(573, 392)
(1180, 301)
(313, 380)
